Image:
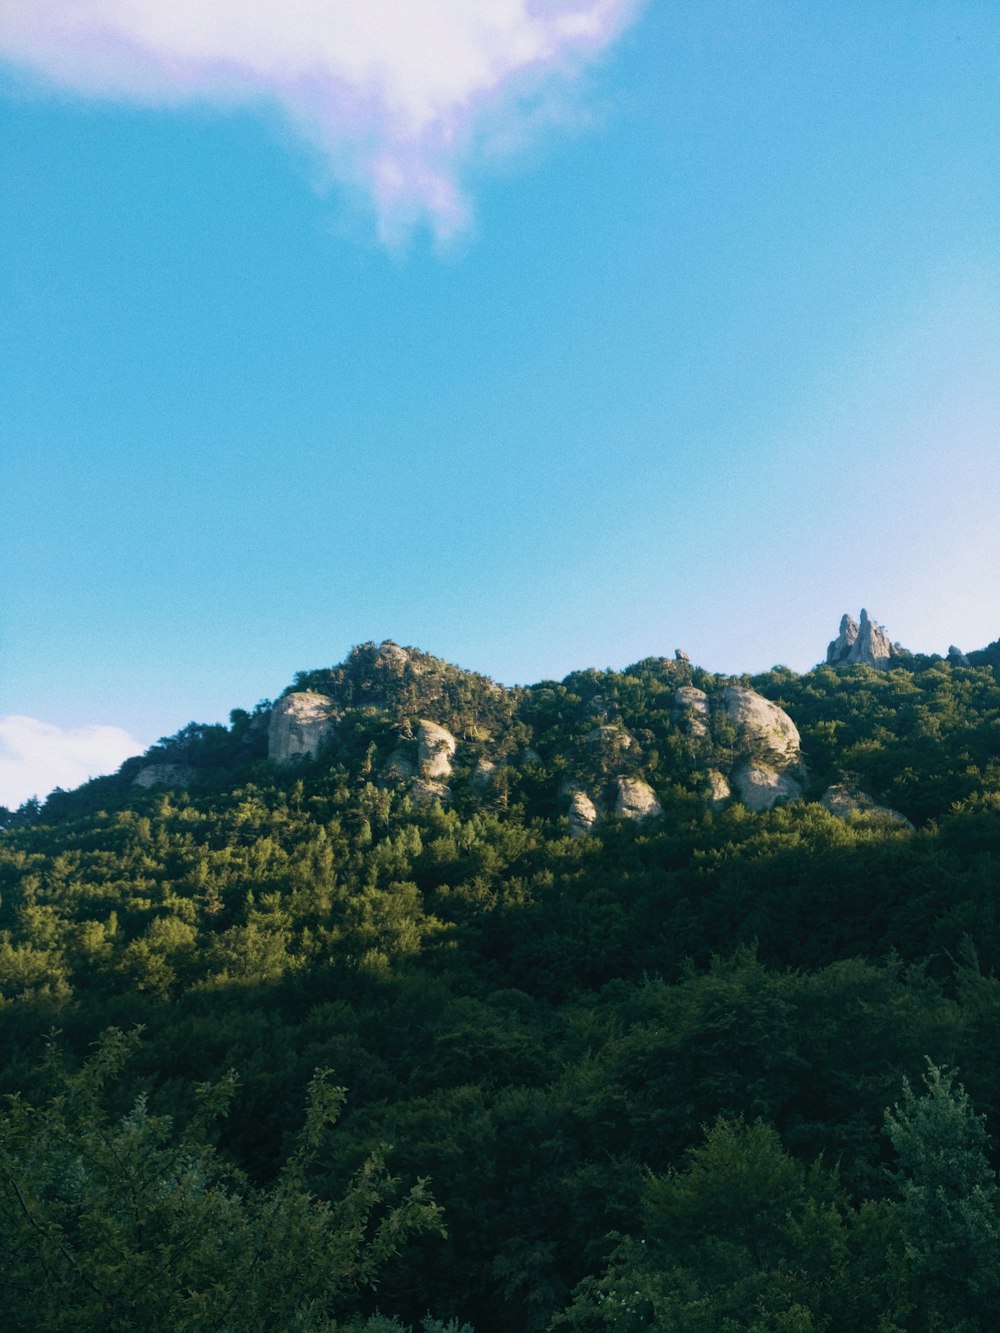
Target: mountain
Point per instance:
(643, 969)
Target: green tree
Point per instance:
(125, 1223)
(950, 1203)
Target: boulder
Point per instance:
(482, 774)
(427, 792)
(718, 792)
(301, 724)
(435, 750)
(582, 814)
(691, 707)
(398, 767)
(956, 657)
(845, 802)
(761, 786)
(766, 726)
(636, 800)
(163, 775)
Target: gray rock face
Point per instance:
(398, 767)
(582, 814)
(636, 800)
(424, 792)
(482, 774)
(435, 750)
(847, 803)
(764, 724)
(956, 657)
(872, 645)
(761, 786)
(390, 652)
(865, 643)
(166, 775)
(300, 725)
(691, 706)
(718, 792)
(840, 649)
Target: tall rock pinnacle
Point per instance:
(865, 643)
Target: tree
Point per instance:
(125, 1223)
(950, 1203)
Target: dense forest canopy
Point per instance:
(378, 1037)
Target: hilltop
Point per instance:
(634, 965)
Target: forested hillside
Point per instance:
(640, 1000)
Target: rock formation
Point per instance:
(766, 727)
(399, 767)
(427, 792)
(761, 786)
(846, 802)
(843, 645)
(865, 643)
(300, 725)
(636, 800)
(718, 793)
(435, 750)
(691, 707)
(582, 814)
(956, 657)
(482, 774)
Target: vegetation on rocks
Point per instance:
(708, 1069)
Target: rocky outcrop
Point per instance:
(301, 724)
(848, 803)
(843, 645)
(691, 708)
(435, 750)
(863, 643)
(582, 814)
(636, 799)
(956, 657)
(482, 774)
(768, 728)
(399, 767)
(761, 786)
(163, 775)
(718, 792)
(427, 792)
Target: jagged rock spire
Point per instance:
(864, 642)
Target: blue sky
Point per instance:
(684, 335)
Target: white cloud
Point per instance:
(37, 756)
(398, 95)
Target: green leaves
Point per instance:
(127, 1223)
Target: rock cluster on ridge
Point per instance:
(864, 642)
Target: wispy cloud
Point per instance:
(398, 95)
(36, 756)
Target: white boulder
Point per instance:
(300, 725)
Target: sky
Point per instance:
(538, 334)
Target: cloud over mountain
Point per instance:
(36, 756)
(398, 95)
